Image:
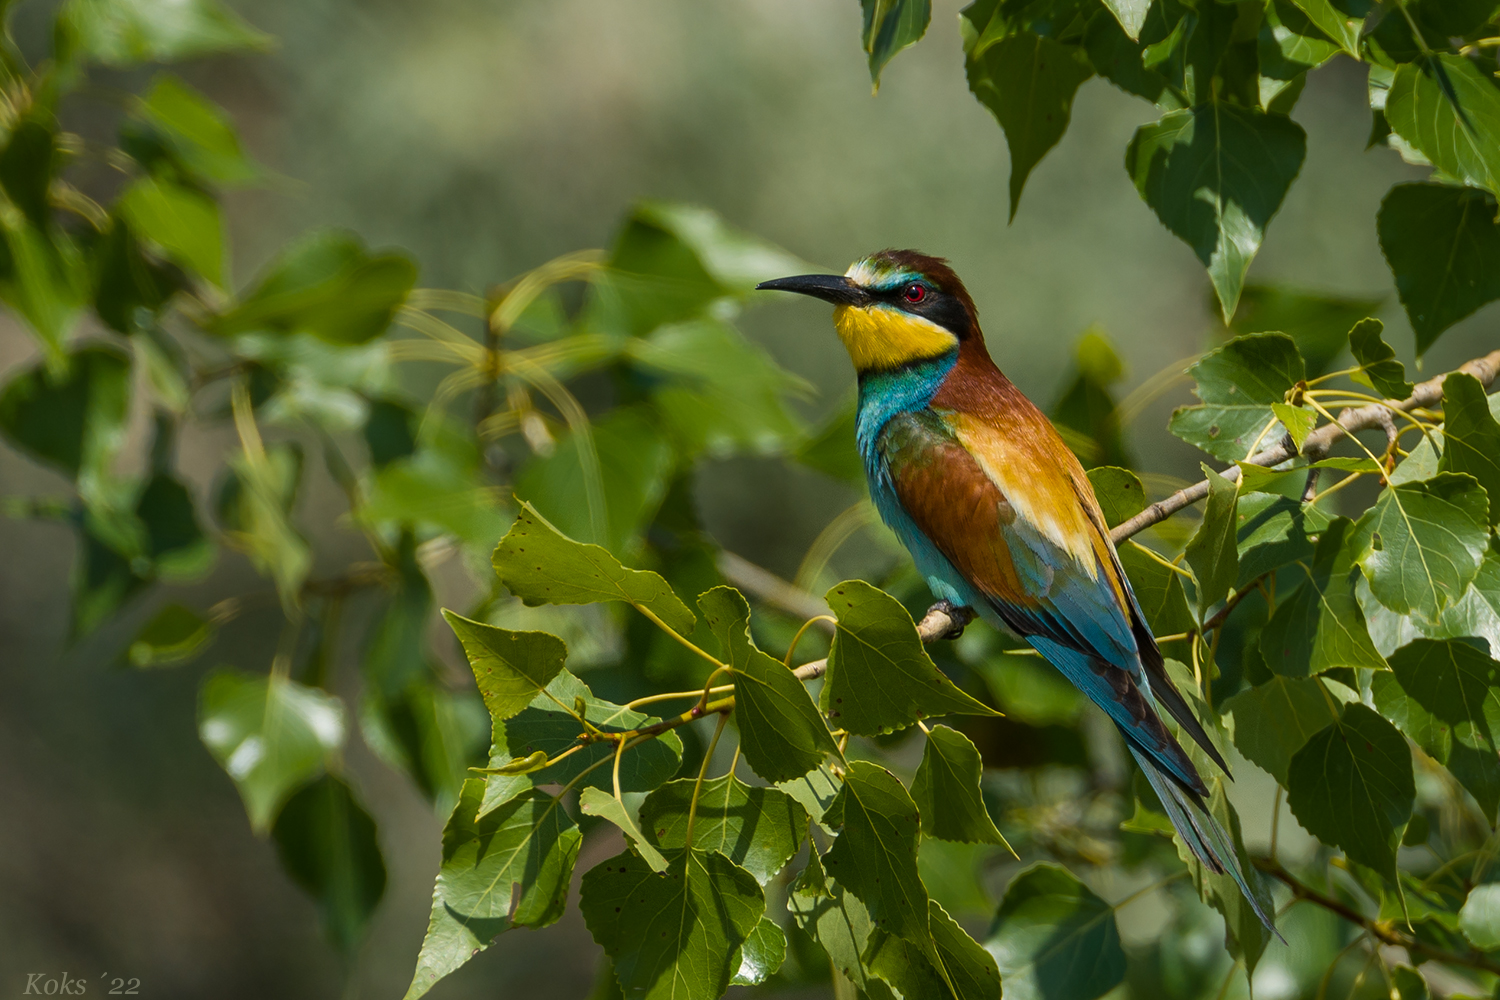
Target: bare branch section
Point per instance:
(1318, 443)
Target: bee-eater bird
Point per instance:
(998, 514)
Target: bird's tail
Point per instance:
(1209, 841)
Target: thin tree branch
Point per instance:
(1484, 369)
(1380, 929)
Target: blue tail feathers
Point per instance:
(1209, 841)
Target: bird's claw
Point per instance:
(959, 617)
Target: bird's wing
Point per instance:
(1009, 517)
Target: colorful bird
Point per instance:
(999, 516)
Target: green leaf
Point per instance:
(183, 222)
(1470, 761)
(946, 790)
(540, 565)
(1287, 46)
(781, 733)
(598, 802)
(327, 844)
(269, 733)
(1229, 433)
(880, 678)
(1130, 13)
(1319, 625)
(1028, 82)
(1379, 368)
(1212, 552)
(175, 634)
(1275, 720)
(530, 844)
(43, 279)
(814, 791)
(1159, 591)
(1052, 937)
(635, 461)
(1299, 423)
(1445, 107)
(875, 855)
(1127, 63)
(890, 26)
(1215, 175)
(1254, 368)
(1275, 531)
(1408, 984)
(1459, 686)
(1351, 787)
(1317, 323)
(1443, 246)
(834, 918)
(761, 955)
(325, 284)
(965, 963)
(130, 290)
(1120, 493)
(1480, 917)
(547, 726)
(759, 829)
(676, 934)
(1245, 935)
(726, 395)
(126, 32)
(27, 164)
(193, 131)
(436, 491)
(955, 875)
(1086, 414)
(75, 420)
(512, 668)
(430, 732)
(1334, 23)
(1471, 436)
(1420, 545)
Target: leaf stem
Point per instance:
(801, 631)
(682, 639)
(708, 755)
(651, 699)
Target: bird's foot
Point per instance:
(958, 617)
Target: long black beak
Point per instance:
(833, 288)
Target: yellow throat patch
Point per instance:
(880, 337)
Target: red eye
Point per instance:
(915, 292)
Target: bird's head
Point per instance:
(892, 308)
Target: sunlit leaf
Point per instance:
(540, 565)
(1119, 491)
(512, 668)
(966, 964)
(597, 802)
(176, 121)
(890, 26)
(529, 844)
(1445, 107)
(1212, 551)
(73, 421)
(1377, 360)
(1421, 544)
(1480, 917)
(269, 733)
(761, 955)
(758, 829)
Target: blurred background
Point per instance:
(486, 138)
